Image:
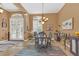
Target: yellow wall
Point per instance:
(53, 20)
(26, 26)
(4, 33)
(70, 10)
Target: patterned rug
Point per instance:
(4, 45)
(32, 51)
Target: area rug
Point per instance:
(32, 51)
(4, 47)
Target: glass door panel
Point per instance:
(17, 28)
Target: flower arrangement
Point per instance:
(77, 33)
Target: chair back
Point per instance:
(42, 39)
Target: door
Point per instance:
(17, 27)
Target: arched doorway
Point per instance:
(17, 27)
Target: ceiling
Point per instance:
(37, 8)
(34, 8)
(9, 7)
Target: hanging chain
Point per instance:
(42, 11)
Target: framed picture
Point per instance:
(67, 24)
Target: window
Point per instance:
(37, 25)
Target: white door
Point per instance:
(17, 27)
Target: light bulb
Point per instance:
(42, 22)
(1, 11)
(44, 17)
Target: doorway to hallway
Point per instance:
(17, 27)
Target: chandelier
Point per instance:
(44, 19)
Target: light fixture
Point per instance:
(1, 10)
(43, 22)
(44, 19)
